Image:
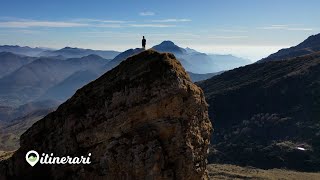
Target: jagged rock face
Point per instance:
(144, 119)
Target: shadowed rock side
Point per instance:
(267, 115)
(144, 119)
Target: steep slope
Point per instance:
(144, 119)
(70, 52)
(308, 46)
(10, 62)
(267, 114)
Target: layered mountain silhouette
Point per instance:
(70, 85)
(192, 60)
(26, 79)
(201, 63)
(25, 51)
(30, 81)
(309, 46)
(143, 119)
(11, 62)
(69, 52)
(267, 114)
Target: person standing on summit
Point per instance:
(144, 41)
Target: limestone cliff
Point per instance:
(144, 119)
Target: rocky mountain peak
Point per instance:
(144, 119)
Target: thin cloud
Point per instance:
(28, 24)
(284, 27)
(228, 37)
(152, 25)
(172, 20)
(232, 30)
(101, 21)
(109, 34)
(300, 29)
(147, 13)
(28, 31)
(108, 25)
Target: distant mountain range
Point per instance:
(308, 46)
(66, 88)
(192, 60)
(69, 52)
(10, 62)
(201, 63)
(26, 51)
(57, 74)
(30, 81)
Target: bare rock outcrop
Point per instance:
(144, 119)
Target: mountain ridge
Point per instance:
(308, 46)
(70, 52)
(275, 117)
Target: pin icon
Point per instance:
(32, 157)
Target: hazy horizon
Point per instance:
(247, 29)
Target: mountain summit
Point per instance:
(144, 119)
(169, 46)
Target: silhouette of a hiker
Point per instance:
(144, 41)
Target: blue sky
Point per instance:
(247, 28)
